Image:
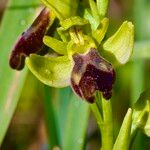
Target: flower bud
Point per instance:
(91, 73)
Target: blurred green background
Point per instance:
(45, 117)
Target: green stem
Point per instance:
(107, 126)
(96, 112)
(104, 120)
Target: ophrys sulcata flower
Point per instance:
(76, 59)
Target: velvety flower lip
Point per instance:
(91, 73)
(31, 41)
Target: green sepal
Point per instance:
(102, 6)
(141, 113)
(52, 71)
(62, 8)
(58, 46)
(121, 43)
(94, 11)
(87, 15)
(99, 34)
(80, 48)
(72, 21)
(122, 141)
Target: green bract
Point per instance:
(141, 113)
(123, 139)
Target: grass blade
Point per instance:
(66, 118)
(17, 17)
(76, 124)
(51, 119)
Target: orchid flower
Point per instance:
(76, 49)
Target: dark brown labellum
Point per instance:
(90, 73)
(30, 40)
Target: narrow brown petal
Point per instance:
(30, 40)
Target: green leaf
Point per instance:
(121, 43)
(51, 118)
(99, 34)
(58, 46)
(76, 124)
(147, 125)
(61, 100)
(70, 116)
(122, 141)
(141, 113)
(62, 8)
(12, 81)
(141, 50)
(52, 71)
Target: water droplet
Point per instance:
(80, 140)
(47, 72)
(22, 22)
(77, 103)
(30, 10)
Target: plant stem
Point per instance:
(104, 120)
(107, 126)
(98, 117)
(104, 116)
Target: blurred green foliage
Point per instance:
(41, 115)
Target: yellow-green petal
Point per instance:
(58, 46)
(52, 71)
(121, 43)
